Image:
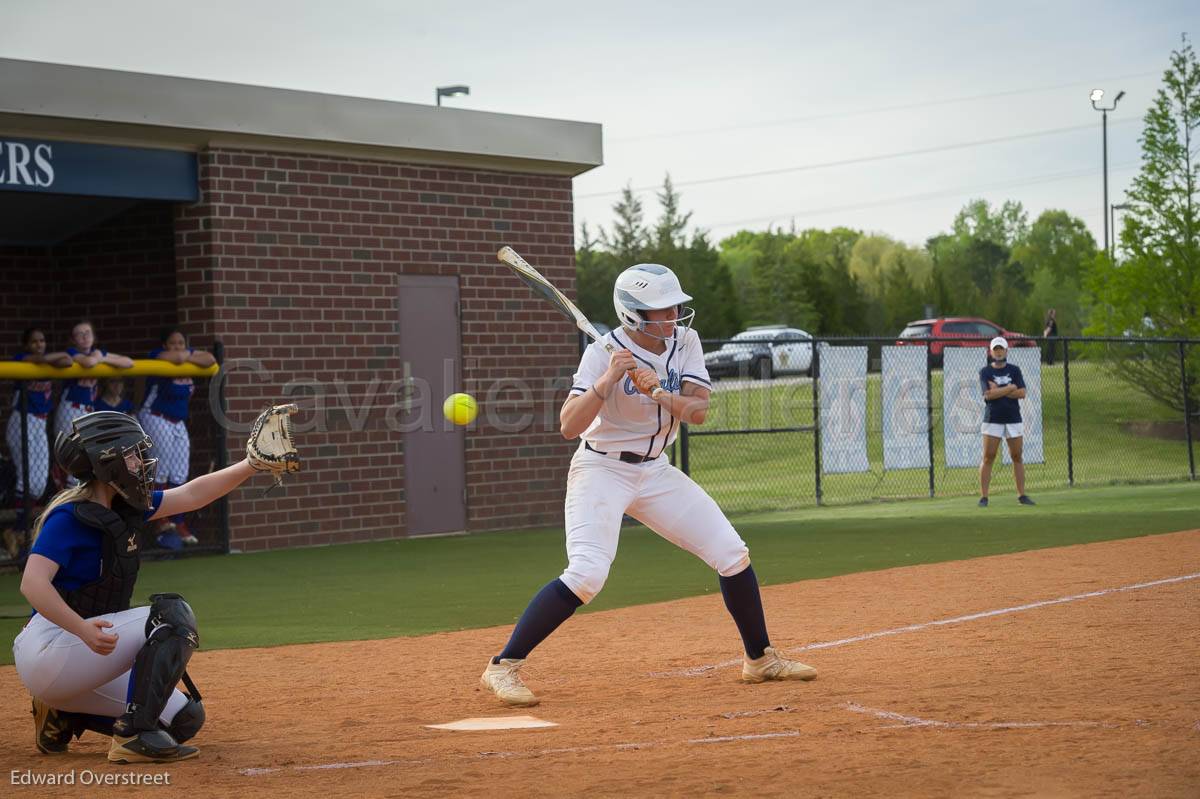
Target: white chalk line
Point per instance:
(566, 750)
(696, 671)
(906, 721)
(916, 721)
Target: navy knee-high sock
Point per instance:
(745, 605)
(549, 608)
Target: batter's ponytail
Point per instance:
(84, 492)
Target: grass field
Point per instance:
(763, 471)
(411, 587)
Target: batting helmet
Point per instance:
(646, 287)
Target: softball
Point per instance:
(460, 408)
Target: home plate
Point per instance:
(494, 723)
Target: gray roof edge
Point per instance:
(89, 94)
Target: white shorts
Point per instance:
(59, 669)
(1015, 430)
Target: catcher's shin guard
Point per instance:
(171, 638)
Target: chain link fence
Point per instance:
(874, 419)
(184, 448)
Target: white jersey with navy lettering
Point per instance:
(629, 421)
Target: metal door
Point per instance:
(434, 457)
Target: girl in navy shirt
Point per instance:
(1003, 387)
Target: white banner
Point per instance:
(905, 417)
(962, 405)
(843, 385)
(1029, 361)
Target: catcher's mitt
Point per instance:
(270, 447)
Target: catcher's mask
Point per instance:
(110, 447)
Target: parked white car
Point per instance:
(762, 353)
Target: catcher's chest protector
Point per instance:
(119, 561)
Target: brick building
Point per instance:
(342, 250)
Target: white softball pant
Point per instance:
(59, 669)
(601, 489)
(172, 447)
(39, 451)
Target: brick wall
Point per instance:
(120, 274)
(292, 262)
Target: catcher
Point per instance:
(90, 661)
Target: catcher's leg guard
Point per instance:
(171, 638)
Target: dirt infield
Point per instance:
(1061, 672)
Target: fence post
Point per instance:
(220, 444)
(684, 463)
(929, 409)
(26, 500)
(1066, 342)
(1187, 410)
(816, 380)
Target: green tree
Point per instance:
(838, 298)
(595, 271)
(1156, 289)
(671, 228)
(874, 263)
(902, 300)
(1056, 255)
(780, 292)
(629, 235)
(1004, 226)
(668, 241)
(976, 274)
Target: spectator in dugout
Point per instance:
(164, 415)
(112, 396)
(79, 396)
(39, 397)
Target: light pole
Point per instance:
(1096, 96)
(1112, 215)
(450, 91)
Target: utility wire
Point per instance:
(858, 160)
(912, 198)
(876, 109)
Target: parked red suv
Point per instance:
(972, 330)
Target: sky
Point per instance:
(884, 117)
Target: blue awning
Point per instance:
(97, 170)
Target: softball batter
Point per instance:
(89, 660)
(627, 407)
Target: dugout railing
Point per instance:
(1109, 410)
(29, 478)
